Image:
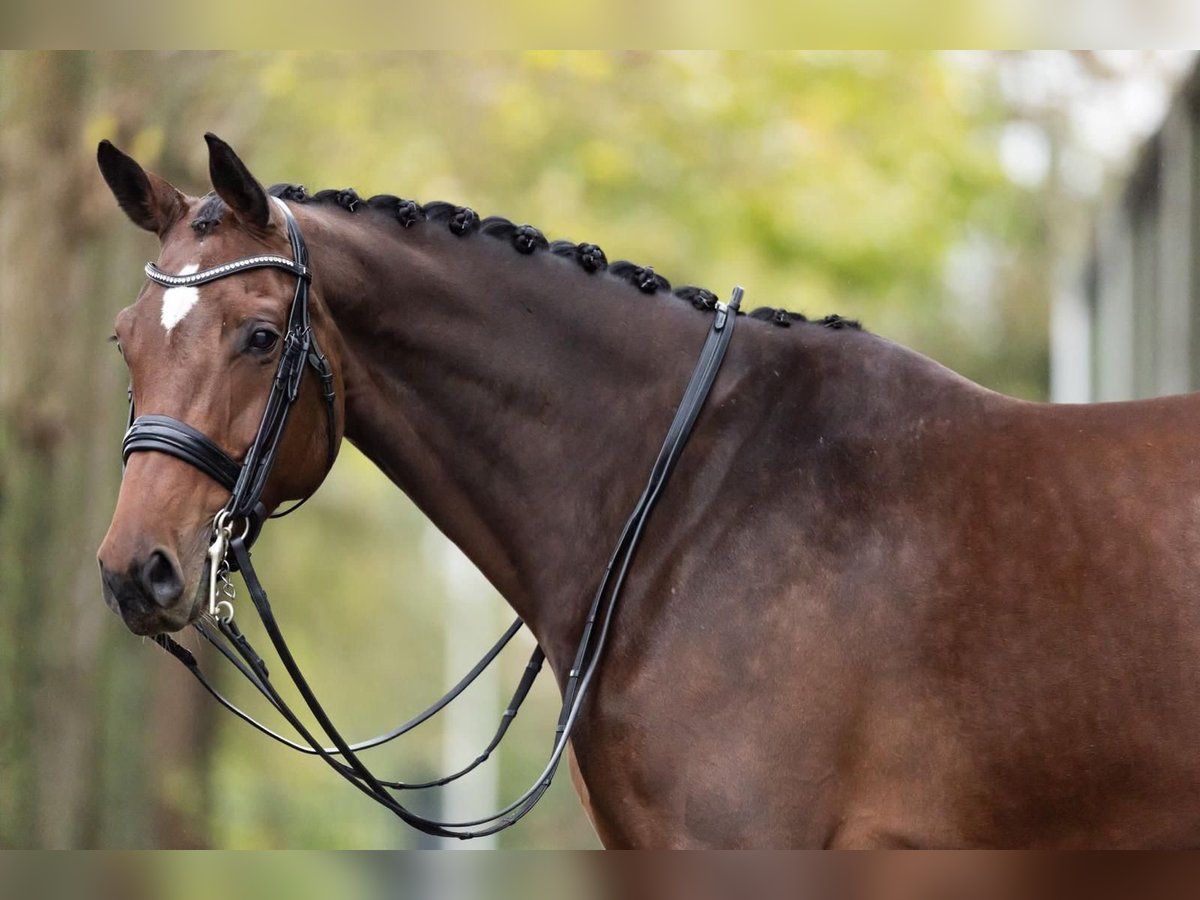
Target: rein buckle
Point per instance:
(218, 569)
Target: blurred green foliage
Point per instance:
(823, 182)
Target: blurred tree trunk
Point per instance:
(90, 718)
(49, 418)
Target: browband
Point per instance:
(157, 275)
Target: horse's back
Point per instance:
(1040, 667)
(943, 618)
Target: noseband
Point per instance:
(246, 480)
(230, 550)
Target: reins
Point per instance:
(239, 522)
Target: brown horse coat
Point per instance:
(878, 605)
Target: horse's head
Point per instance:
(206, 356)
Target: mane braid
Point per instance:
(407, 212)
(286, 191)
(526, 239)
(440, 211)
(589, 256)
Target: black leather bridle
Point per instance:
(230, 549)
(246, 480)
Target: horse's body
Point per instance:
(877, 604)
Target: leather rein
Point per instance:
(230, 551)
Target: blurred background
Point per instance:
(1026, 218)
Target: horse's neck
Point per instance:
(516, 399)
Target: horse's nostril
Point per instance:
(161, 580)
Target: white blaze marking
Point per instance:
(178, 301)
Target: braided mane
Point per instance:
(526, 239)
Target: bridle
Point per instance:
(246, 480)
(230, 550)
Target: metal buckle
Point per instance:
(218, 567)
(295, 352)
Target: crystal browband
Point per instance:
(157, 275)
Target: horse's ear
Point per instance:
(236, 186)
(149, 201)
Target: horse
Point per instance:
(878, 605)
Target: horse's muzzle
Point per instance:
(148, 594)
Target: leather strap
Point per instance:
(168, 435)
(343, 757)
(154, 273)
(246, 481)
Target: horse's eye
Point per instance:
(263, 339)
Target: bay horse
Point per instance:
(878, 605)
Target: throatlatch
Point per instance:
(238, 523)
